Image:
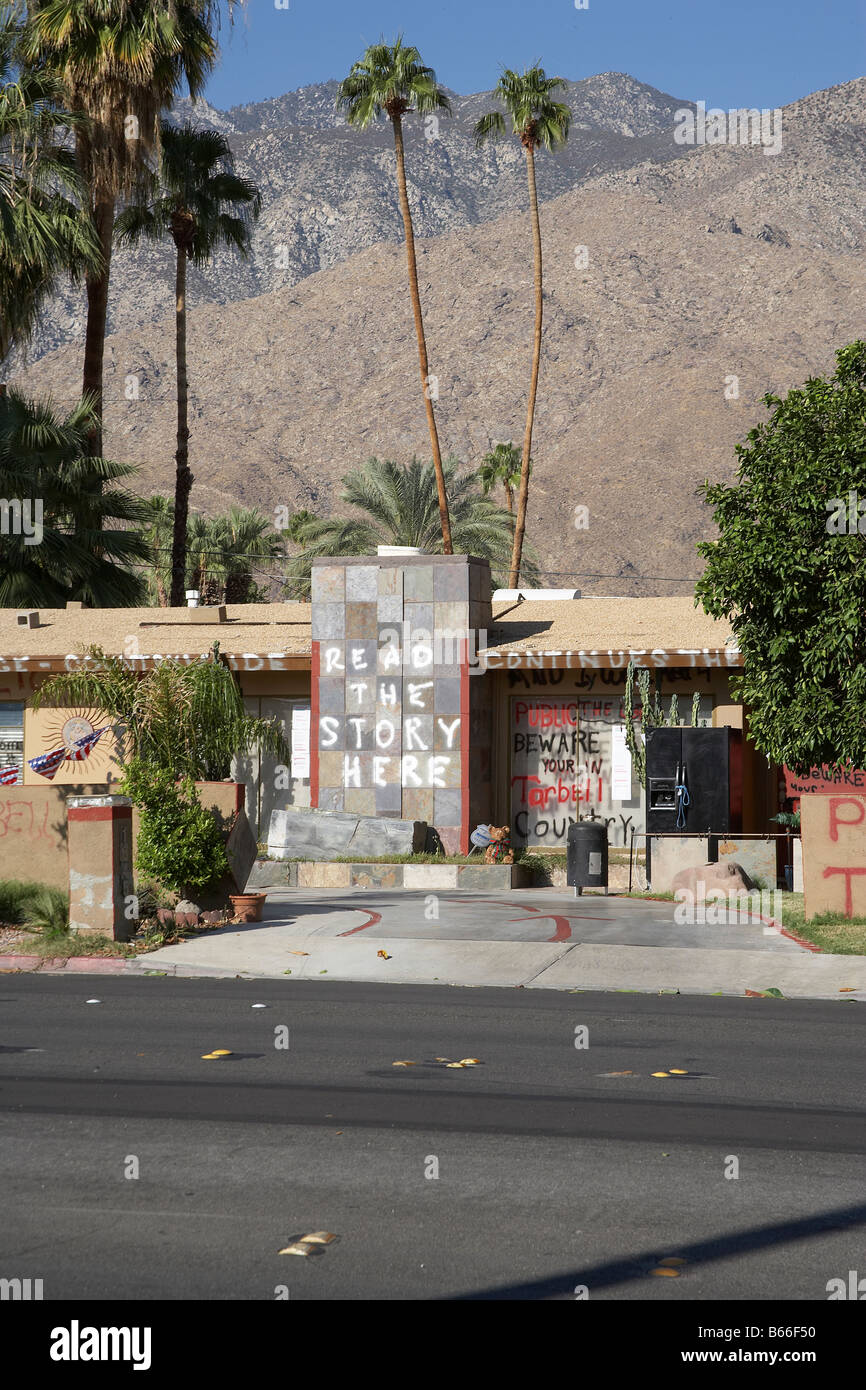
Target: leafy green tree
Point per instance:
(42, 231)
(90, 541)
(398, 506)
(501, 464)
(789, 579)
(538, 121)
(391, 79)
(158, 532)
(201, 203)
(188, 719)
(121, 62)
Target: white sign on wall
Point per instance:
(620, 765)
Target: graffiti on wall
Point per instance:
(561, 769)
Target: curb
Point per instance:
(60, 965)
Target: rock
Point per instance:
(730, 877)
(241, 850)
(296, 834)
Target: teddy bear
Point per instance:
(499, 850)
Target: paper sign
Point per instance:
(620, 765)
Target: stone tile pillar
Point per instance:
(100, 865)
(401, 728)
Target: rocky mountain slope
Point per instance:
(704, 264)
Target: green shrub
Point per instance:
(180, 842)
(47, 910)
(13, 895)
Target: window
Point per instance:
(12, 735)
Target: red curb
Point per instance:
(57, 965)
(96, 965)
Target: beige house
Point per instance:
(546, 663)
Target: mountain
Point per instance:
(705, 264)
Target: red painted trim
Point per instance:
(314, 726)
(464, 750)
(100, 813)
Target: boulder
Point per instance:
(729, 877)
(309, 834)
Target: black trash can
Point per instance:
(587, 855)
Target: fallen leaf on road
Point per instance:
(287, 972)
(442, 1059)
(299, 1249)
(258, 1006)
(93, 1001)
(755, 994)
(660, 1073)
(672, 1261)
(847, 989)
(299, 953)
(774, 993)
(323, 972)
(404, 1064)
(661, 1273)
(383, 955)
(319, 1238)
(471, 1061)
(616, 1073)
(455, 1064)
(677, 1071)
(215, 1056)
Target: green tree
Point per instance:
(501, 464)
(201, 203)
(398, 506)
(391, 79)
(90, 539)
(538, 121)
(121, 63)
(788, 570)
(186, 719)
(42, 231)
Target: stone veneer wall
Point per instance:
(401, 728)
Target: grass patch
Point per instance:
(841, 936)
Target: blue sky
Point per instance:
(761, 53)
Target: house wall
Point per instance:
(33, 833)
(581, 708)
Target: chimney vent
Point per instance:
(29, 619)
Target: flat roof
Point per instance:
(277, 636)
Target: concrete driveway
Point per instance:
(522, 915)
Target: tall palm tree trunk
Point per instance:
(419, 329)
(523, 493)
(183, 477)
(97, 314)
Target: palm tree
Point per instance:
(120, 62)
(501, 465)
(246, 538)
(159, 529)
(536, 120)
(89, 544)
(392, 79)
(42, 232)
(201, 203)
(400, 508)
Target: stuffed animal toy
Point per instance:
(499, 850)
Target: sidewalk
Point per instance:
(533, 939)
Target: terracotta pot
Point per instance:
(248, 906)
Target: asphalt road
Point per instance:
(551, 1174)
